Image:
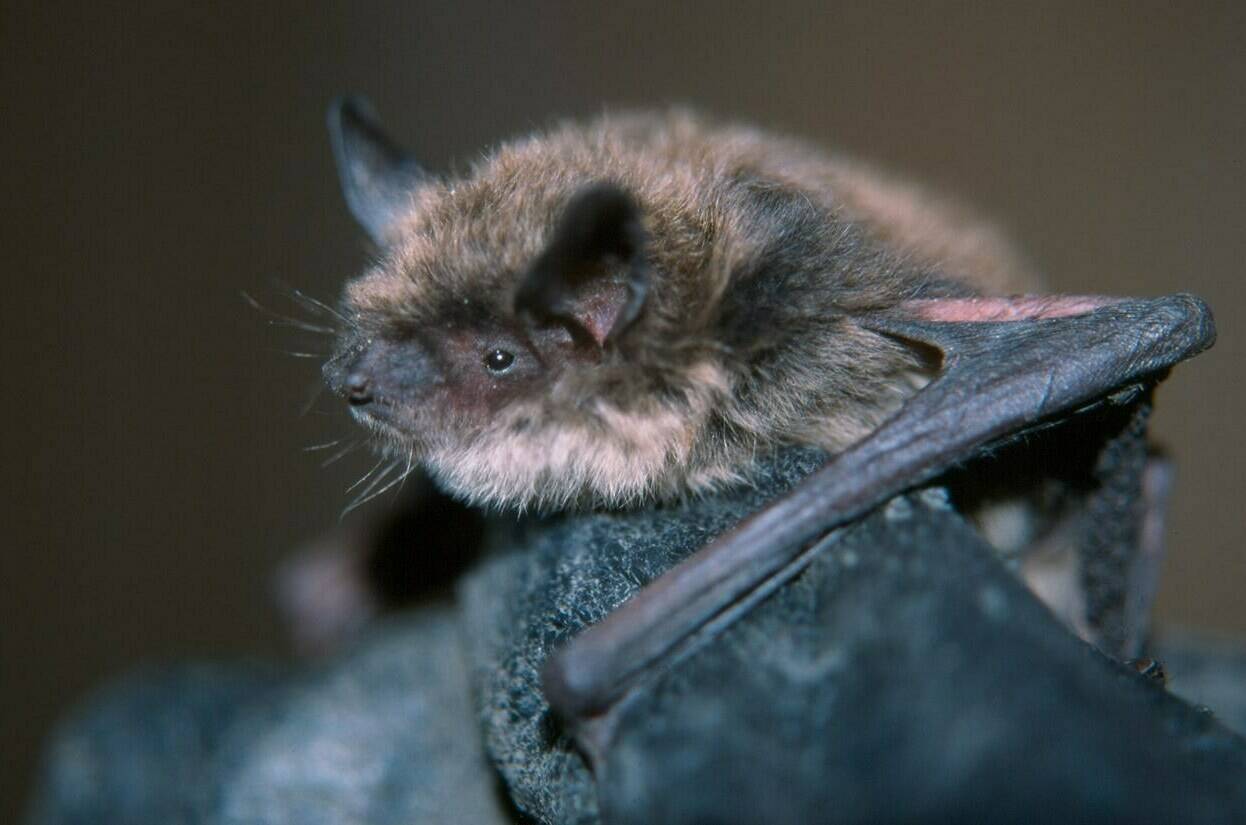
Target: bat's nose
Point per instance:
(358, 388)
(380, 374)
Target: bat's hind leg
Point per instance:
(1077, 510)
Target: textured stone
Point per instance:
(382, 734)
(551, 580)
(906, 675)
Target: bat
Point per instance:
(632, 310)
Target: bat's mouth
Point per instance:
(384, 419)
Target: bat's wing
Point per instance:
(1009, 366)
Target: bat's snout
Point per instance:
(358, 389)
(381, 373)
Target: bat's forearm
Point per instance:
(999, 379)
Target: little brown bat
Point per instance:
(633, 309)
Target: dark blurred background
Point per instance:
(158, 162)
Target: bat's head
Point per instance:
(508, 337)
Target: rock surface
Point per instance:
(549, 583)
(384, 734)
(907, 677)
(904, 676)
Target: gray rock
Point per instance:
(1207, 672)
(905, 675)
(382, 734)
(134, 752)
(552, 580)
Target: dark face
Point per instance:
(451, 375)
(432, 364)
(485, 343)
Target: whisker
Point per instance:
(339, 454)
(366, 496)
(277, 319)
(296, 354)
(366, 492)
(294, 323)
(366, 475)
(314, 304)
(410, 466)
(389, 468)
(317, 391)
(313, 448)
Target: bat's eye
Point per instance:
(499, 361)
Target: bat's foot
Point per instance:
(324, 596)
(343, 581)
(1152, 669)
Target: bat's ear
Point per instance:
(592, 274)
(377, 175)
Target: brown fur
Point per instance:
(760, 251)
